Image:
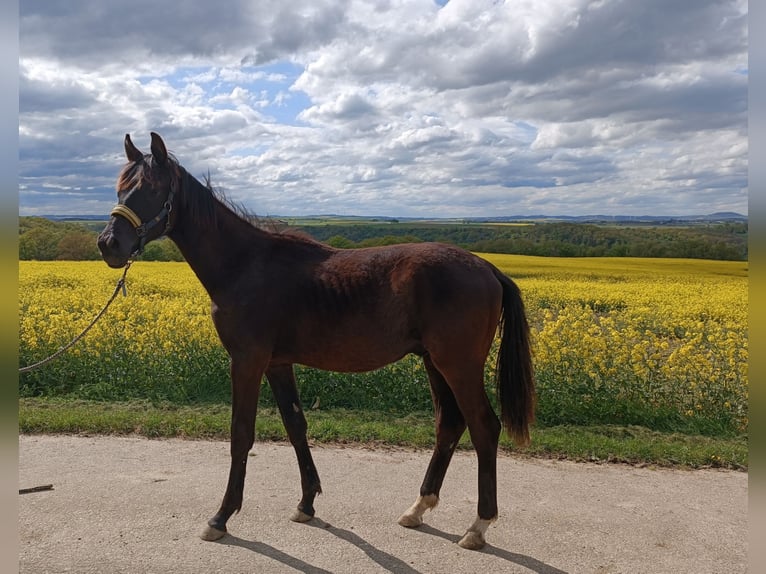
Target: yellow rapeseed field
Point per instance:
(631, 341)
(668, 333)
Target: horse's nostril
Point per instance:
(107, 242)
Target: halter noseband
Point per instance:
(142, 229)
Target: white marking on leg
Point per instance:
(414, 515)
(474, 536)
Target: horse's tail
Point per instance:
(515, 377)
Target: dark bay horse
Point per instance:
(280, 299)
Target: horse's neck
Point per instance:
(216, 252)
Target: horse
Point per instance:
(280, 299)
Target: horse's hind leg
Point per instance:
(484, 427)
(466, 382)
(449, 428)
(246, 385)
(282, 381)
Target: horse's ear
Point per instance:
(131, 151)
(159, 151)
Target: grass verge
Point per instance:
(604, 443)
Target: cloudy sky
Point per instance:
(393, 107)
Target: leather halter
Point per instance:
(142, 229)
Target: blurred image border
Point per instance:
(9, 56)
(757, 274)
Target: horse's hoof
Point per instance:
(410, 520)
(413, 517)
(472, 541)
(300, 516)
(210, 533)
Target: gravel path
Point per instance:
(135, 505)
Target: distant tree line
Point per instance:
(723, 241)
(46, 240)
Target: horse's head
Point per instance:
(145, 192)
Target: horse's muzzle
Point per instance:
(113, 251)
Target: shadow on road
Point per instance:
(384, 559)
(522, 560)
(273, 553)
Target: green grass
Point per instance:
(602, 443)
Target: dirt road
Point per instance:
(135, 505)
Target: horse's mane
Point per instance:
(198, 199)
(267, 224)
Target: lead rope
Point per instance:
(119, 287)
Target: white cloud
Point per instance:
(397, 107)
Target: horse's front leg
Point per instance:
(246, 373)
(282, 381)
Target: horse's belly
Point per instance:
(348, 363)
(351, 354)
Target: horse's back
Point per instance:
(435, 289)
(361, 309)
